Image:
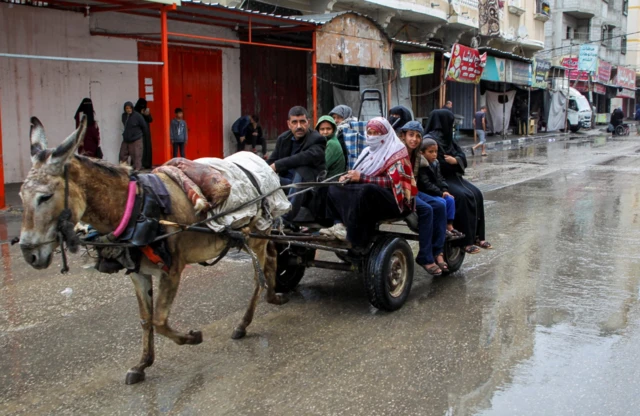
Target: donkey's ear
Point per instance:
(64, 152)
(37, 137)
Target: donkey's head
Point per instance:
(43, 194)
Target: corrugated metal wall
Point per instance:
(461, 95)
(273, 81)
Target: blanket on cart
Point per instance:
(249, 177)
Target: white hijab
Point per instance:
(382, 151)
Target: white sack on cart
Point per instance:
(242, 191)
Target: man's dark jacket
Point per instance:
(308, 162)
(134, 125)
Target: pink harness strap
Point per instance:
(131, 198)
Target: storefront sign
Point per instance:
(413, 64)
(541, 69)
(518, 73)
(599, 89)
(588, 58)
(603, 75)
(571, 63)
(626, 78)
(494, 70)
(625, 93)
(466, 64)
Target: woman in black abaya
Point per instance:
(469, 200)
(141, 107)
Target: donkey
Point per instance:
(96, 192)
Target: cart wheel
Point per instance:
(288, 275)
(389, 273)
(454, 256)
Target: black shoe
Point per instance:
(473, 153)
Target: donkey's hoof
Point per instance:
(278, 299)
(238, 333)
(195, 338)
(134, 377)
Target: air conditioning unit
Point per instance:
(516, 7)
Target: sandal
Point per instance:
(472, 249)
(485, 245)
(433, 270)
(442, 264)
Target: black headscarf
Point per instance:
(86, 107)
(404, 117)
(141, 104)
(440, 126)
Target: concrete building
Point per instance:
(633, 40)
(603, 24)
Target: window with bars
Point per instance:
(623, 45)
(625, 7)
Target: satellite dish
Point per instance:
(455, 8)
(512, 32)
(522, 32)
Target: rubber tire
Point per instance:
(377, 268)
(619, 131)
(289, 276)
(574, 129)
(454, 256)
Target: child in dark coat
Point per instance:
(431, 182)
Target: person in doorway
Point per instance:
(637, 118)
(91, 145)
(298, 156)
(480, 127)
(469, 200)
(523, 117)
(135, 129)
(381, 186)
(179, 133)
(239, 129)
(334, 158)
(448, 105)
(147, 154)
(253, 133)
(398, 117)
(431, 210)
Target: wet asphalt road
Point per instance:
(545, 324)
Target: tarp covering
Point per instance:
(243, 190)
(495, 110)
(557, 108)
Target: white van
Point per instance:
(579, 111)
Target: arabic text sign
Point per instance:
(626, 78)
(518, 72)
(412, 64)
(466, 64)
(541, 69)
(588, 58)
(571, 63)
(603, 75)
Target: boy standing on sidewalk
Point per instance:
(480, 126)
(178, 133)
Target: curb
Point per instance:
(524, 140)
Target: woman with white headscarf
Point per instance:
(381, 186)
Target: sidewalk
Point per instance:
(497, 141)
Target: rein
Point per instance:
(65, 227)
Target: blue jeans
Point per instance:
(425, 232)
(450, 204)
(296, 202)
(438, 222)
